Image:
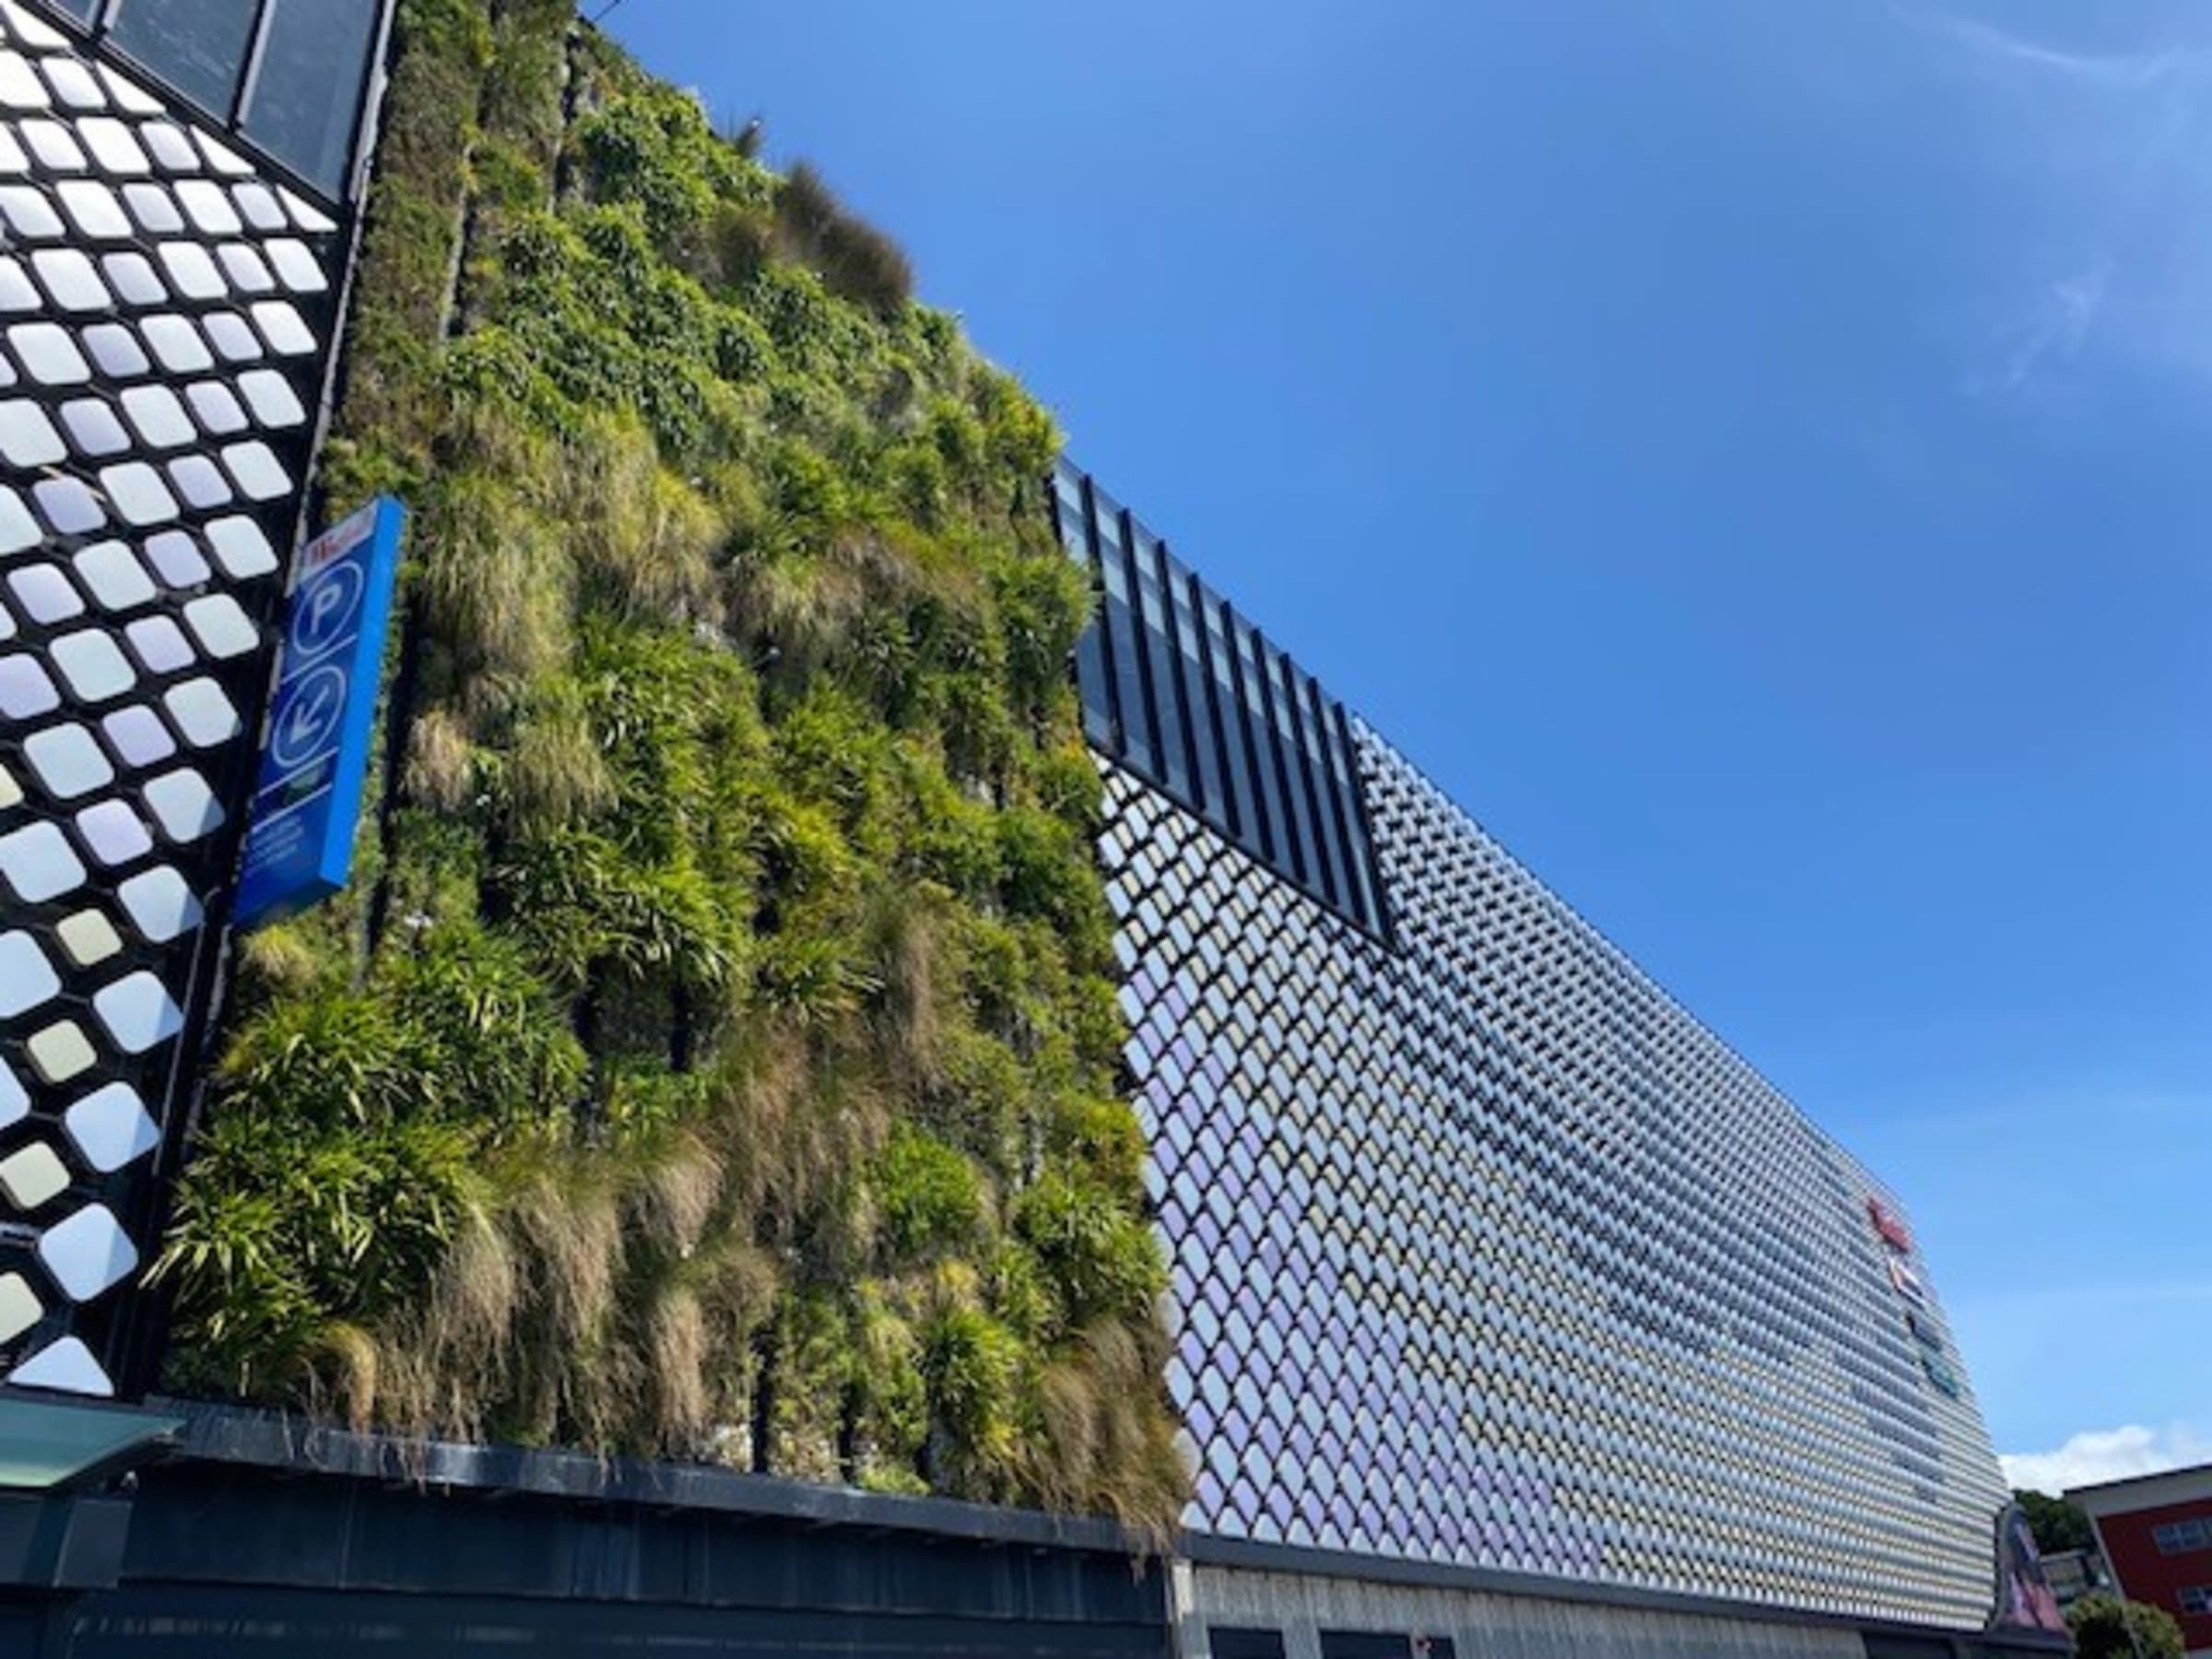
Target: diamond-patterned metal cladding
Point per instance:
(165, 313)
(1484, 1251)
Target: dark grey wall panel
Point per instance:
(1316, 1613)
(236, 1559)
(176, 1623)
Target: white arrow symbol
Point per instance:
(307, 716)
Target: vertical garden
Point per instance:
(715, 1054)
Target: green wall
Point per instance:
(716, 1053)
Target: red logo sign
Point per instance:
(1890, 1225)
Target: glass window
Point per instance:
(1230, 1642)
(1307, 708)
(1310, 865)
(1357, 852)
(307, 83)
(1067, 513)
(1363, 1644)
(1090, 648)
(1236, 752)
(198, 46)
(1206, 753)
(1122, 643)
(1160, 656)
(1271, 774)
(1183, 693)
(1090, 645)
(2178, 1538)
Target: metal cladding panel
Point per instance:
(166, 312)
(1484, 1252)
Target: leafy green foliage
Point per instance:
(2057, 1524)
(653, 148)
(1101, 1259)
(2105, 1627)
(721, 1060)
(930, 1197)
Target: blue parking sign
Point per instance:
(314, 756)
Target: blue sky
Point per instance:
(1753, 454)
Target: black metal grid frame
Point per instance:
(126, 1327)
(163, 1076)
(95, 29)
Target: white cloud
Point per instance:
(2057, 329)
(2120, 70)
(2112, 146)
(2101, 1454)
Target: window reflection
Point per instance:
(1121, 629)
(1252, 690)
(1306, 709)
(1283, 713)
(309, 84)
(198, 46)
(1196, 688)
(1070, 523)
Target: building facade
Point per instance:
(1513, 1312)
(1486, 1254)
(2155, 1534)
(2074, 1573)
(174, 181)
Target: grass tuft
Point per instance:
(855, 258)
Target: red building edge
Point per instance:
(2155, 1531)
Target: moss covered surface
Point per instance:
(715, 1056)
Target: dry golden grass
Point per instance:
(637, 534)
(495, 579)
(441, 764)
(1107, 1447)
(916, 963)
(678, 1193)
(278, 958)
(681, 1349)
(556, 773)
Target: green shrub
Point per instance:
(1049, 877)
(2105, 1627)
(1100, 1258)
(481, 1030)
(928, 1196)
(972, 1365)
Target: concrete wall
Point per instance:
(1490, 1627)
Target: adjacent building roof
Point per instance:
(2144, 1491)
